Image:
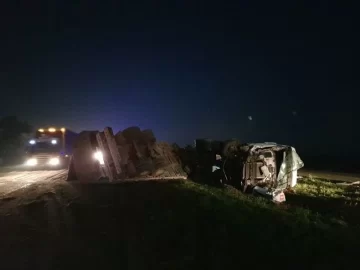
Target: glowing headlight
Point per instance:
(53, 141)
(31, 162)
(54, 161)
(32, 142)
(99, 157)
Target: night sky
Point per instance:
(186, 69)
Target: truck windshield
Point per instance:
(44, 147)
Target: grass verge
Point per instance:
(184, 225)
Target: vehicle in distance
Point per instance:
(51, 147)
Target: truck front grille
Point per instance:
(42, 159)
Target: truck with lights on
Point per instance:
(50, 147)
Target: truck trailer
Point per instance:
(50, 147)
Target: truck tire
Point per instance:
(231, 148)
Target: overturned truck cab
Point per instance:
(265, 169)
(270, 168)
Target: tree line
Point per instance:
(13, 136)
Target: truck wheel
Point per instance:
(231, 148)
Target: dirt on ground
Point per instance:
(15, 179)
(60, 225)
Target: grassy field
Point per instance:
(173, 225)
(335, 201)
(311, 186)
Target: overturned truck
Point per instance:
(129, 153)
(263, 168)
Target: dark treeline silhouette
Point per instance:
(13, 134)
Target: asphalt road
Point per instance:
(15, 179)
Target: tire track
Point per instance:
(13, 181)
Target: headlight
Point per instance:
(99, 157)
(31, 162)
(32, 142)
(54, 161)
(54, 141)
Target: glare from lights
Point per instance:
(32, 142)
(41, 130)
(54, 161)
(62, 129)
(99, 157)
(31, 162)
(52, 129)
(53, 141)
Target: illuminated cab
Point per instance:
(50, 147)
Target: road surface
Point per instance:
(12, 180)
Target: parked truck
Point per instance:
(50, 147)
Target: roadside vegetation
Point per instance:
(177, 225)
(315, 187)
(339, 202)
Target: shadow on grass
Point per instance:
(177, 225)
(332, 208)
(183, 225)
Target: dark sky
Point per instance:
(186, 69)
